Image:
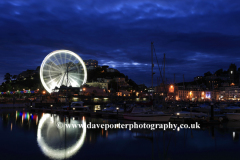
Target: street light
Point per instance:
(117, 111)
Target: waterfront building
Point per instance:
(197, 95)
(90, 90)
(123, 93)
(230, 93)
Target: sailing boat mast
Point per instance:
(152, 66)
(152, 47)
(164, 69)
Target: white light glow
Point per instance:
(59, 153)
(57, 65)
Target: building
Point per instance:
(142, 87)
(107, 80)
(172, 92)
(63, 93)
(90, 90)
(229, 93)
(197, 95)
(198, 78)
(120, 79)
(111, 70)
(27, 74)
(91, 64)
(122, 93)
(102, 85)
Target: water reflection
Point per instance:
(36, 135)
(50, 137)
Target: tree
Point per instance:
(219, 72)
(94, 92)
(14, 77)
(133, 84)
(7, 77)
(113, 85)
(207, 74)
(126, 78)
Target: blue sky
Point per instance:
(196, 35)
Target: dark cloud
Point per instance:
(196, 35)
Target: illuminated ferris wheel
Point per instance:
(62, 67)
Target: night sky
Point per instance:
(196, 35)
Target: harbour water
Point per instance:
(25, 135)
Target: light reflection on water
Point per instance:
(40, 135)
(48, 132)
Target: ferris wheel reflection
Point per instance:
(54, 141)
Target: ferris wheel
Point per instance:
(62, 67)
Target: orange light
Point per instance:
(44, 92)
(171, 88)
(202, 93)
(84, 89)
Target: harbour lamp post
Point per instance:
(117, 111)
(124, 106)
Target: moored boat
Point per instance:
(233, 116)
(141, 114)
(190, 114)
(231, 109)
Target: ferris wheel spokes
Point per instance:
(62, 67)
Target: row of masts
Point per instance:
(163, 77)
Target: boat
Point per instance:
(143, 114)
(77, 106)
(231, 109)
(119, 110)
(96, 113)
(233, 116)
(206, 108)
(185, 114)
(110, 109)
